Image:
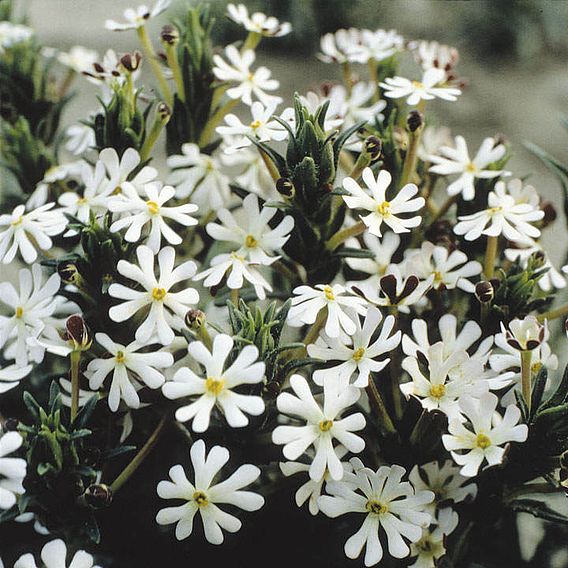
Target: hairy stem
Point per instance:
(214, 121)
(411, 158)
(153, 60)
(553, 314)
(490, 256)
(75, 358)
(384, 417)
(341, 236)
(526, 376)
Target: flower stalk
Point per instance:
(490, 256)
(526, 376)
(341, 236)
(75, 357)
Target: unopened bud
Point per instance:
(550, 213)
(169, 35)
(77, 333)
(69, 273)
(194, 319)
(98, 496)
(131, 61)
(164, 112)
(373, 147)
(538, 259)
(414, 120)
(285, 187)
(10, 425)
(484, 292)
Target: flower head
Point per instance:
(376, 46)
(78, 58)
(137, 17)
(339, 46)
(12, 470)
(204, 495)
(258, 22)
(401, 291)
(381, 209)
(526, 334)
(120, 170)
(54, 555)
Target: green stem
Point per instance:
(526, 372)
(154, 64)
(490, 256)
(374, 78)
(272, 169)
(362, 162)
(75, 358)
(280, 267)
(553, 314)
(317, 326)
(346, 161)
(445, 207)
(341, 236)
(145, 451)
(252, 40)
(411, 158)
(395, 372)
(173, 63)
(382, 412)
(347, 77)
(235, 296)
(153, 135)
(214, 121)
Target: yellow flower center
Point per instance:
(328, 291)
(120, 357)
(437, 391)
(325, 425)
(200, 498)
(214, 386)
(250, 241)
(19, 312)
(376, 508)
(535, 367)
(250, 77)
(81, 201)
(438, 277)
(358, 354)
(417, 85)
(237, 256)
(482, 441)
(255, 124)
(158, 294)
(117, 190)
(495, 210)
(18, 221)
(471, 168)
(384, 208)
(153, 207)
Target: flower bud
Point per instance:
(98, 496)
(285, 187)
(10, 425)
(194, 319)
(484, 292)
(77, 333)
(526, 334)
(550, 213)
(69, 273)
(164, 112)
(131, 61)
(169, 35)
(373, 147)
(414, 120)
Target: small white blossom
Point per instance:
(322, 426)
(199, 177)
(308, 302)
(502, 217)
(470, 447)
(431, 54)
(381, 209)
(257, 22)
(12, 470)
(11, 376)
(167, 308)
(433, 138)
(255, 239)
(137, 17)
(261, 127)
(119, 170)
(78, 58)
(358, 355)
(450, 269)
(376, 45)
(387, 502)
(430, 87)
(54, 555)
(129, 368)
(397, 290)
(339, 46)
(248, 83)
(456, 161)
(204, 494)
(12, 34)
(80, 138)
(216, 387)
(28, 231)
(138, 212)
(250, 170)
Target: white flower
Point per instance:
(430, 87)
(32, 308)
(355, 106)
(525, 334)
(448, 486)
(120, 170)
(502, 217)
(339, 47)
(258, 22)
(401, 291)
(438, 388)
(261, 127)
(78, 58)
(312, 101)
(54, 555)
(359, 355)
(308, 302)
(12, 34)
(216, 387)
(137, 17)
(239, 269)
(375, 267)
(138, 212)
(431, 547)
(129, 368)
(376, 45)
(11, 376)
(248, 83)
(311, 490)
(167, 309)
(250, 170)
(552, 278)
(386, 501)
(12, 470)
(432, 139)
(488, 432)
(431, 54)
(255, 239)
(380, 209)
(198, 176)
(457, 161)
(29, 231)
(203, 495)
(322, 426)
(80, 138)
(450, 269)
